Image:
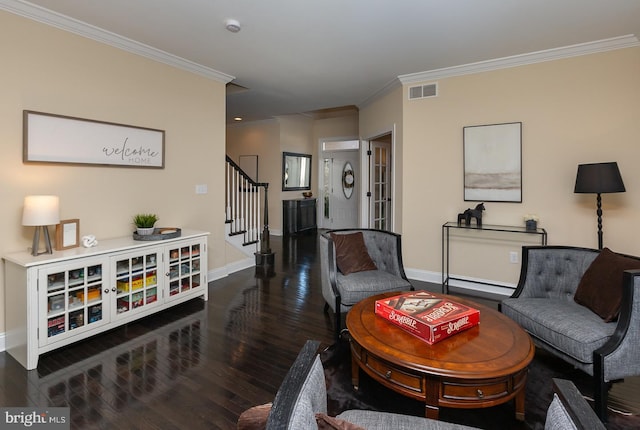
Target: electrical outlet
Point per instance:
(513, 257)
(201, 189)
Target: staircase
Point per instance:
(244, 228)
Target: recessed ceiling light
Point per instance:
(233, 25)
(237, 118)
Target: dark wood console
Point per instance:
(298, 215)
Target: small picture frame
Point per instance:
(67, 234)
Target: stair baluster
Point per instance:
(243, 209)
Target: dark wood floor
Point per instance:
(197, 365)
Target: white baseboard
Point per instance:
(3, 345)
(236, 266)
(465, 282)
(423, 275)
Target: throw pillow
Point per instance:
(254, 418)
(351, 253)
(325, 422)
(600, 288)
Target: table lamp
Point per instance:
(599, 178)
(41, 211)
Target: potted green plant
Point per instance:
(144, 223)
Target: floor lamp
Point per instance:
(599, 178)
(41, 211)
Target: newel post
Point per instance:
(265, 258)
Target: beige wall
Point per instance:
(291, 133)
(382, 116)
(341, 127)
(578, 110)
(261, 138)
(49, 70)
(295, 136)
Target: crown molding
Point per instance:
(63, 22)
(386, 89)
(627, 41)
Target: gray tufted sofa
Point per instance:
(303, 394)
(543, 304)
(342, 292)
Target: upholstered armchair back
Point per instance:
(553, 272)
(303, 393)
(383, 248)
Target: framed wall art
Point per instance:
(49, 138)
(68, 234)
(493, 162)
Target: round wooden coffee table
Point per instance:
(480, 367)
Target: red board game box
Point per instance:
(431, 317)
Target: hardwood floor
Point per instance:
(197, 365)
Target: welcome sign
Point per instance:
(53, 138)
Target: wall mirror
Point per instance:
(348, 180)
(296, 171)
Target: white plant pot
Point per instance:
(145, 231)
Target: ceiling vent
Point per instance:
(423, 91)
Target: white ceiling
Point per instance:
(296, 56)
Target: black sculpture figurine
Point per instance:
(472, 213)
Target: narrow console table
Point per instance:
(507, 229)
(298, 215)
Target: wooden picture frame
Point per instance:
(68, 234)
(49, 138)
(493, 163)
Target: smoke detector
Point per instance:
(233, 25)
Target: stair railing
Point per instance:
(242, 206)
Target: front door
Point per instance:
(340, 189)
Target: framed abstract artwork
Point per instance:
(493, 162)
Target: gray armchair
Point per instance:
(341, 291)
(543, 304)
(303, 394)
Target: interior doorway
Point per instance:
(339, 184)
(380, 183)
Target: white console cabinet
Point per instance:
(56, 299)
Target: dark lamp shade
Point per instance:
(599, 178)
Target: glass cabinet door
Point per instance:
(74, 298)
(136, 284)
(184, 269)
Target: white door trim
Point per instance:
(320, 166)
(365, 175)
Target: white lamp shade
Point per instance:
(41, 210)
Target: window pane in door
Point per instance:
(326, 191)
